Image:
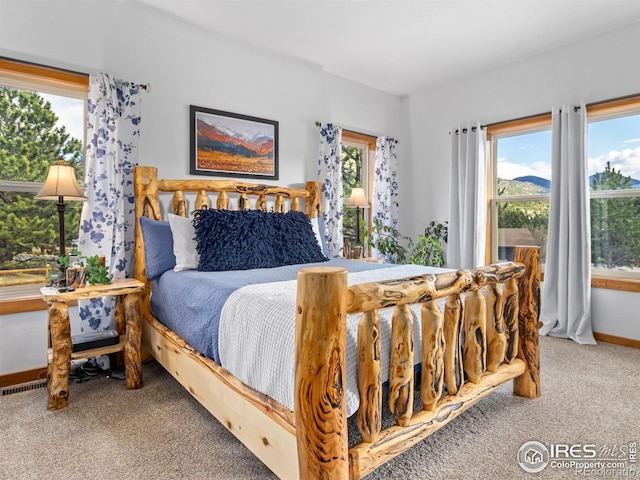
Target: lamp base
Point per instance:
(61, 208)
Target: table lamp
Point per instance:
(61, 185)
(358, 200)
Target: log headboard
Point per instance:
(147, 188)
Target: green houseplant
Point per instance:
(397, 248)
(96, 272)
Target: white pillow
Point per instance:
(184, 243)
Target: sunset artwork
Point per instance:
(229, 144)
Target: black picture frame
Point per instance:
(232, 145)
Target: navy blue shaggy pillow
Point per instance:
(246, 239)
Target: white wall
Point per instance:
(23, 341)
(187, 65)
(593, 70)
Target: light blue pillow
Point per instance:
(317, 223)
(158, 247)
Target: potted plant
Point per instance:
(96, 271)
(429, 250)
(396, 248)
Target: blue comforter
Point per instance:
(190, 302)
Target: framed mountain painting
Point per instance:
(233, 145)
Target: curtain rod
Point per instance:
(465, 130)
(357, 133)
(487, 125)
(611, 100)
(575, 109)
(527, 117)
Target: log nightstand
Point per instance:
(128, 326)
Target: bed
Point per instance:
(472, 330)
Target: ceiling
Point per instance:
(404, 46)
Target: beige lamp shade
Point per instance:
(61, 182)
(358, 198)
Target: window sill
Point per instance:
(20, 305)
(622, 284)
(26, 303)
(613, 283)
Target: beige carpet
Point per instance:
(591, 394)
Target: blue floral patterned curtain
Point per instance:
(330, 174)
(385, 207)
(107, 222)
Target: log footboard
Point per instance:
(474, 347)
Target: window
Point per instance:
(520, 185)
(520, 181)
(613, 152)
(358, 157)
(42, 119)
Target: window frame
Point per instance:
(49, 80)
(496, 131)
(599, 111)
(368, 145)
(614, 109)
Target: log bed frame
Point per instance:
(471, 349)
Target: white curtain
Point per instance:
(467, 198)
(330, 174)
(107, 222)
(384, 204)
(566, 291)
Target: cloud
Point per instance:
(511, 170)
(631, 140)
(627, 161)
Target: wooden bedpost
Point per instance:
(528, 384)
(320, 392)
(145, 187)
(314, 200)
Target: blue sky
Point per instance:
(614, 140)
(70, 112)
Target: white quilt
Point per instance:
(257, 332)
